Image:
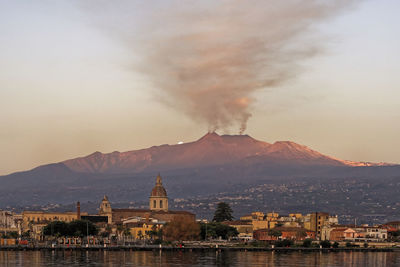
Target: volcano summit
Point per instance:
(212, 164)
(210, 150)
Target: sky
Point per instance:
(68, 88)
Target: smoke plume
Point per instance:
(208, 58)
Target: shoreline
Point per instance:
(196, 249)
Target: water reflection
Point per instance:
(218, 258)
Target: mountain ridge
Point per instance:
(210, 149)
(213, 164)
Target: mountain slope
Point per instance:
(210, 165)
(211, 149)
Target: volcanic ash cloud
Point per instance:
(207, 58)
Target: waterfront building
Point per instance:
(395, 224)
(158, 208)
(333, 232)
(10, 222)
(289, 233)
(41, 217)
(312, 223)
(7, 220)
(289, 221)
(363, 233)
(318, 220)
(259, 220)
(244, 228)
(35, 221)
(142, 228)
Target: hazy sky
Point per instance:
(67, 88)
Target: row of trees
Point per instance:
(77, 228)
(11, 234)
(182, 229)
(177, 230)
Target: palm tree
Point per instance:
(120, 229)
(274, 233)
(154, 232)
(140, 235)
(127, 232)
(108, 230)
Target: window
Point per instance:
(161, 204)
(154, 203)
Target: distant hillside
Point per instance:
(211, 165)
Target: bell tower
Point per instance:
(105, 209)
(158, 196)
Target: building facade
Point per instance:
(361, 233)
(158, 208)
(317, 221)
(10, 222)
(158, 197)
(285, 233)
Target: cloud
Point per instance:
(208, 58)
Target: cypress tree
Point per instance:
(223, 213)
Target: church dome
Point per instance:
(158, 190)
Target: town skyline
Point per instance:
(157, 223)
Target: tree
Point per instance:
(301, 234)
(104, 234)
(82, 228)
(74, 228)
(127, 232)
(120, 229)
(307, 243)
(108, 230)
(12, 234)
(180, 229)
(26, 234)
(153, 232)
(223, 212)
(140, 234)
(284, 243)
(395, 236)
(56, 228)
(274, 232)
(216, 230)
(325, 244)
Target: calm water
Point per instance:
(148, 258)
